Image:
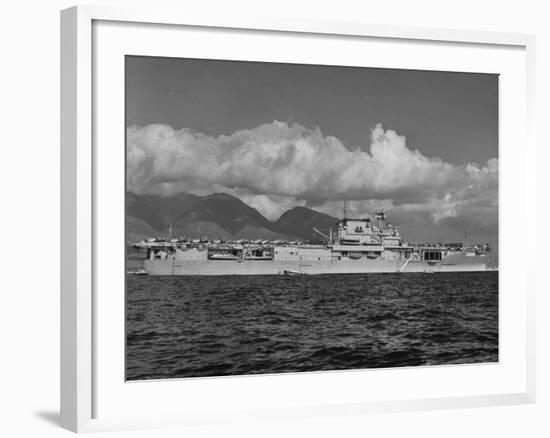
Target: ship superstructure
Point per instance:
(359, 245)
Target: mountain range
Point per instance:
(216, 216)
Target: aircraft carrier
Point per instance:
(362, 245)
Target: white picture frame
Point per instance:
(79, 231)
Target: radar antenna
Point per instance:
(380, 216)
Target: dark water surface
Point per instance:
(214, 326)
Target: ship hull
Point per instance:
(171, 266)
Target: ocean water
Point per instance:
(215, 326)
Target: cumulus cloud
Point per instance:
(277, 165)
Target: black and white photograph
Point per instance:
(285, 218)
(267, 220)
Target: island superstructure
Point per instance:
(359, 245)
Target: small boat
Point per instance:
(139, 271)
(293, 272)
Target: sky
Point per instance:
(422, 144)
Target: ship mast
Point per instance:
(380, 217)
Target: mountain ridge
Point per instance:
(216, 216)
(301, 220)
